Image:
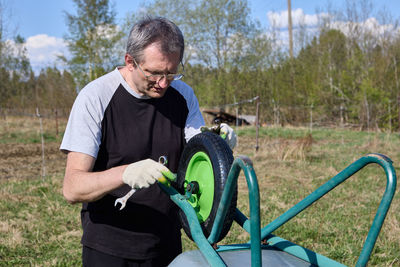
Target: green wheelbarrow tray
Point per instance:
(265, 249)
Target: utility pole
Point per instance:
(290, 29)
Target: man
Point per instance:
(119, 126)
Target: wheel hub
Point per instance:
(199, 179)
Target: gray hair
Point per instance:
(155, 30)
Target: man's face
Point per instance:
(153, 63)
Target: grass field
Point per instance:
(38, 227)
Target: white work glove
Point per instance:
(144, 173)
(228, 134)
(225, 131)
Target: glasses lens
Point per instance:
(168, 77)
(178, 76)
(154, 78)
(160, 77)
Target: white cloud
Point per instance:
(371, 26)
(309, 23)
(43, 50)
(280, 19)
(299, 18)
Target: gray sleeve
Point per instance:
(83, 131)
(195, 119)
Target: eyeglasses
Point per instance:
(158, 77)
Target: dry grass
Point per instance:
(290, 164)
(38, 228)
(21, 148)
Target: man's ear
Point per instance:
(129, 62)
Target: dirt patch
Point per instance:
(25, 160)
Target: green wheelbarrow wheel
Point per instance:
(203, 170)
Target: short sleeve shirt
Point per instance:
(114, 125)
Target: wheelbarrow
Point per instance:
(206, 194)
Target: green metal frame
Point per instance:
(253, 226)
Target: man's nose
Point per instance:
(163, 82)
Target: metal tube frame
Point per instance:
(342, 176)
(204, 246)
(245, 164)
(253, 226)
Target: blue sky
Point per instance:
(42, 22)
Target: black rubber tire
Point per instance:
(221, 158)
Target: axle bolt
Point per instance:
(193, 187)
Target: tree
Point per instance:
(92, 39)
(14, 63)
(68, 90)
(218, 33)
(222, 27)
(219, 36)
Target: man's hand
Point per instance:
(225, 131)
(143, 173)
